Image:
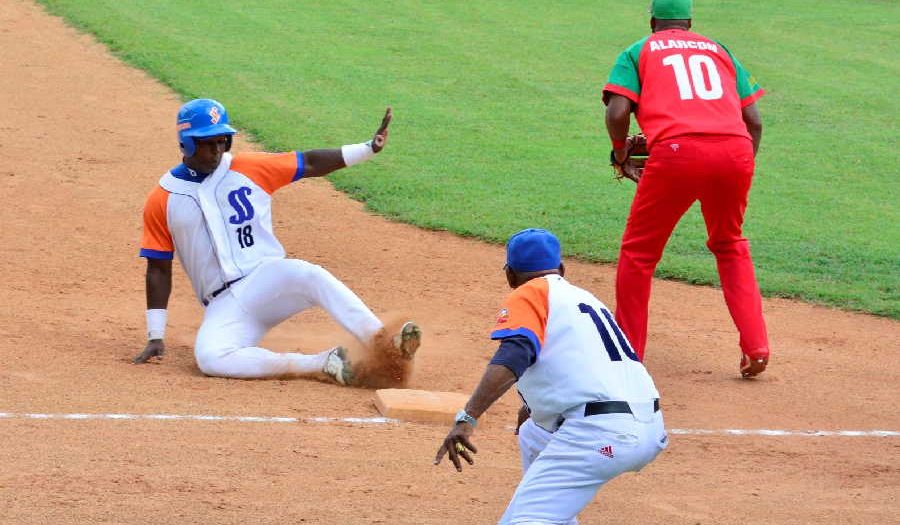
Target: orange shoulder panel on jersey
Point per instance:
(156, 242)
(524, 312)
(270, 170)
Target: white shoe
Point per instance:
(408, 340)
(337, 366)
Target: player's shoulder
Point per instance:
(715, 41)
(157, 193)
(535, 290)
(269, 170)
(259, 158)
(634, 50)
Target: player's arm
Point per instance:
(320, 162)
(158, 282)
(749, 91)
(515, 354)
(494, 383)
(753, 121)
(618, 120)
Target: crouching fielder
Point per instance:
(591, 410)
(214, 211)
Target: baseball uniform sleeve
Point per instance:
(516, 353)
(748, 88)
(525, 313)
(624, 78)
(270, 170)
(156, 241)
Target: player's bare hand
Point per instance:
(380, 138)
(457, 445)
(155, 348)
(752, 367)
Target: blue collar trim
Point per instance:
(184, 173)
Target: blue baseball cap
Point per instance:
(533, 250)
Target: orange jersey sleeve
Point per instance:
(270, 170)
(524, 312)
(156, 242)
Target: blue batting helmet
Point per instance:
(202, 118)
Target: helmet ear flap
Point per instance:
(188, 147)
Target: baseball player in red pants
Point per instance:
(695, 103)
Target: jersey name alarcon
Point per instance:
(683, 84)
(582, 355)
(220, 225)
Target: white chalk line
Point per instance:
(386, 420)
(190, 417)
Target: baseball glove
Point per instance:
(632, 167)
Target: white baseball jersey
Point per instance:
(219, 225)
(582, 355)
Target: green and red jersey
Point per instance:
(683, 84)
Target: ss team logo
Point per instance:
(214, 115)
(241, 204)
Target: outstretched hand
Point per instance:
(154, 348)
(457, 445)
(380, 138)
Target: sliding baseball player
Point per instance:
(214, 211)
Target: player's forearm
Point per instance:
(158, 282)
(321, 162)
(497, 379)
(756, 136)
(753, 121)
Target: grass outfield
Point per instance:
(499, 125)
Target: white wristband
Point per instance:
(356, 153)
(156, 323)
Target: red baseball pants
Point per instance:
(717, 170)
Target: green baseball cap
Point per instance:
(671, 9)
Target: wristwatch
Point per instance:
(463, 417)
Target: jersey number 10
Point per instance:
(693, 76)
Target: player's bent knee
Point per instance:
(734, 247)
(210, 365)
(211, 361)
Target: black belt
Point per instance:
(612, 407)
(595, 408)
(220, 290)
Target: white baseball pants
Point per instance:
(237, 319)
(564, 470)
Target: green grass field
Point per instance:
(499, 125)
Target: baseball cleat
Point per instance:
(337, 366)
(408, 340)
(751, 367)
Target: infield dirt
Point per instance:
(83, 138)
